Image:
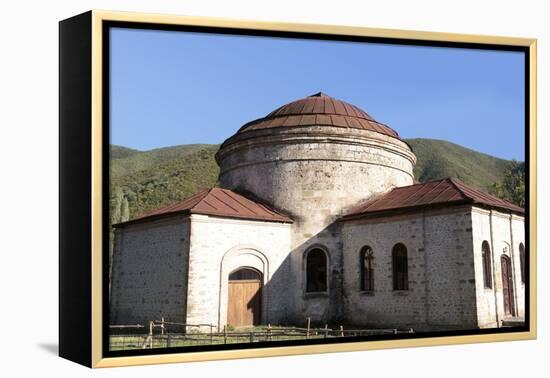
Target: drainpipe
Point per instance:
(494, 266)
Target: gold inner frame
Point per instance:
(97, 196)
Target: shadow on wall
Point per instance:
(287, 297)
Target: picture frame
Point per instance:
(84, 108)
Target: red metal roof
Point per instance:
(433, 193)
(216, 202)
(319, 110)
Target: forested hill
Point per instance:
(440, 159)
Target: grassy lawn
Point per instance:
(235, 336)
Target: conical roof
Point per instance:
(319, 109)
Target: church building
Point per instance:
(317, 215)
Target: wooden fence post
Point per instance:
(225, 334)
(342, 331)
(308, 326)
(151, 334)
(326, 330)
(269, 337)
(162, 325)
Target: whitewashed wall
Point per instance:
(504, 233)
(219, 246)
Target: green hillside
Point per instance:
(438, 159)
(144, 180)
(122, 152)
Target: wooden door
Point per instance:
(244, 299)
(507, 286)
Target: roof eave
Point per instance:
(518, 211)
(191, 212)
(401, 210)
(151, 218)
(243, 217)
(412, 209)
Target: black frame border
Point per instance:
(75, 189)
(107, 25)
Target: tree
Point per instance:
(124, 210)
(512, 186)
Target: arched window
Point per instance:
(316, 271)
(400, 267)
(522, 261)
(486, 259)
(366, 260)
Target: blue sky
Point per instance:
(171, 88)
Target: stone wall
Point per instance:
(149, 278)
(517, 238)
(314, 174)
(220, 246)
(328, 169)
(504, 233)
(441, 292)
(320, 307)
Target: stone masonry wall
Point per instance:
(323, 307)
(314, 174)
(220, 246)
(149, 278)
(328, 169)
(518, 237)
(441, 291)
(450, 276)
(504, 233)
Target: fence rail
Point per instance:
(165, 334)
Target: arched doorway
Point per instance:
(244, 298)
(507, 286)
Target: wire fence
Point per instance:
(165, 334)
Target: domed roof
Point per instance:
(319, 110)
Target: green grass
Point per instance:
(239, 336)
(136, 342)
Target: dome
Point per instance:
(315, 153)
(319, 110)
